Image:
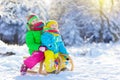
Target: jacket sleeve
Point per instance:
(61, 46)
(30, 41)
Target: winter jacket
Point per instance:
(53, 42)
(33, 40)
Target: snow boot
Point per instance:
(35, 58)
(23, 69)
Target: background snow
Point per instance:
(91, 62)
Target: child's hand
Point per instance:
(42, 49)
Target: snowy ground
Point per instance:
(91, 62)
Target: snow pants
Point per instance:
(35, 58)
(49, 61)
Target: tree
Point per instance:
(94, 19)
(70, 33)
(13, 18)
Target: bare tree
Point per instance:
(104, 18)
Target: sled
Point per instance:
(39, 69)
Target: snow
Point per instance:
(91, 62)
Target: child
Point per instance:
(33, 42)
(52, 40)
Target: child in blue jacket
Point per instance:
(53, 41)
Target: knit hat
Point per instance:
(53, 30)
(49, 23)
(31, 18)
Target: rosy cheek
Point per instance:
(33, 22)
(52, 26)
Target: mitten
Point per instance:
(42, 48)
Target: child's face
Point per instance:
(34, 21)
(54, 26)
